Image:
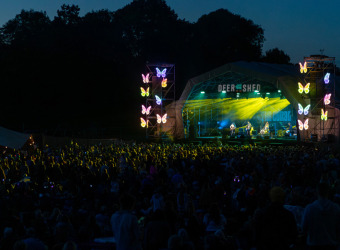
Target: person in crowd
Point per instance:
(125, 225)
(321, 221)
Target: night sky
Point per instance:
(299, 28)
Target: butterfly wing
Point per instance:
(326, 78)
(163, 72)
(300, 125)
(306, 109)
(305, 125)
(301, 68)
(305, 67)
(143, 93)
(147, 91)
(306, 88)
(327, 98)
(164, 118)
(148, 110)
(143, 109)
(158, 100)
(300, 87)
(158, 72)
(142, 122)
(164, 82)
(300, 109)
(159, 118)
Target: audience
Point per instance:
(170, 196)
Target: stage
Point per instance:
(263, 141)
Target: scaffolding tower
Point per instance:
(320, 74)
(162, 93)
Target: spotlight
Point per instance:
(279, 91)
(267, 93)
(202, 92)
(256, 91)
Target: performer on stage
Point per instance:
(289, 129)
(265, 130)
(248, 128)
(232, 129)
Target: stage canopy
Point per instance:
(12, 139)
(245, 80)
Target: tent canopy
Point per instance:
(12, 139)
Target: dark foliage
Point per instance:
(80, 76)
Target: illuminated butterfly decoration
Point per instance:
(161, 119)
(164, 82)
(144, 92)
(326, 78)
(324, 115)
(145, 78)
(144, 123)
(303, 88)
(158, 100)
(146, 110)
(161, 73)
(303, 125)
(303, 68)
(327, 99)
(303, 110)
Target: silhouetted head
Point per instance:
(277, 195)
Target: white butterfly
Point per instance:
(146, 110)
(146, 78)
(326, 78)
(161, 119)
(303, 125)
(158, 100)
(303, 110)
(161, 73)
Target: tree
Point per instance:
(276, 56)
(68, 15)
(221, 37)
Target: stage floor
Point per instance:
(280, 141)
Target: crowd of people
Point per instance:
(171, 196)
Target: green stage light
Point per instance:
(224, 91)
(267, 93)
(202, 92)
(256, 91)
(279, 91)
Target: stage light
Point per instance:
(202, 92)
(327, 99)
(326, 78)
(223, 91)
(279, 91)
(256, 91)
(267, 93)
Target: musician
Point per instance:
(266, 127)
(289, 129)
(232, 129)
(248, 128)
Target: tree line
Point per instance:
(80, 76)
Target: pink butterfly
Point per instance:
(327, 99)
(146, 78)
(303, 68)
(146, 110)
